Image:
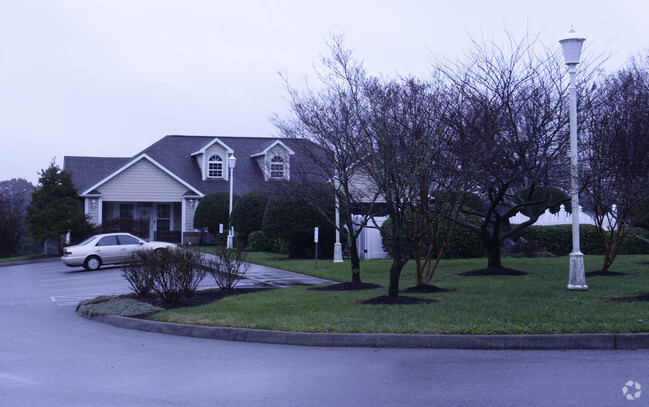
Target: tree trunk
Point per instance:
(395, 275)
(419, 268)
(355, 261)
(493, 256)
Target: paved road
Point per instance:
(51, 357)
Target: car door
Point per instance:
(128, 244)
(108, 249)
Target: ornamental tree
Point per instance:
(615, 158)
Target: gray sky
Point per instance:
(110, 77)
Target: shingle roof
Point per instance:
(174, 153)
(87, 171)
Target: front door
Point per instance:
(163, 219)
(144, 214)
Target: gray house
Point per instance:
(163, 184)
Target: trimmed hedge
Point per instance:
(464, 243)
(557, 239)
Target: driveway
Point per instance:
(49, 356)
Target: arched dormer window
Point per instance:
(277, 167)
(215, 167)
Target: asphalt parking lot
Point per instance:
(51, 356)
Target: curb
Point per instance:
(623, 341)
(30, 261)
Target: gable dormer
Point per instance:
(275, 161)
(213, 160)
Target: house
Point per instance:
(163, 184)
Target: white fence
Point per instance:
(563, 218)
(370, 242)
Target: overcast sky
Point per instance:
(111, 77)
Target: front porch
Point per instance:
(161, 221)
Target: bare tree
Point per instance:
(616, 154)
(510, 118)
(410, 162)
(328, 116)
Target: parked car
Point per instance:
(107, 248)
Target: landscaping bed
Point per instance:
(534, 303)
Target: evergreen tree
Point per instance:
(55, 209)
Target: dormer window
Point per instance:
(215, 166)
(277, 167)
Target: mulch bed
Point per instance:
(600, 273)
(400, 300)
(493, 271)
(427, 288)
(346, 287)
(637, 298)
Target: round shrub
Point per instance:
(258, 242)
(248, 213)
(213, 210)
(293, 221)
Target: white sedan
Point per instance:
(108, 248)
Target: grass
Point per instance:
(18, 258)
(537, 303)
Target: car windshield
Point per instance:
(88, 240)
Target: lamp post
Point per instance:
(571, 47)
(338, 247)
(232, 161)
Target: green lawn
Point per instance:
(18, 258)
(536, 303)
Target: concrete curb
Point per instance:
(627, 341)
(30, 261)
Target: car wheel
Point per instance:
(92, 263)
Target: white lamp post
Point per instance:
(232, 161)
(338, 247)
(571, 47)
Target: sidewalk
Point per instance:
(281, 278)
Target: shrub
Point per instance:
(221, 239)
(138, 273)
(633, 245)
(258, 242)
(248, 213)
(138, 227)
(293, 221)
(228, 266)
(557, 239)
(464, 242)
(172, 274)
(213, 210)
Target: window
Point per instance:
(215, 167)
(107, 241)
(126, 211)
(126, 239)
(277, 167)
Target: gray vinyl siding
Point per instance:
(143, 182)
